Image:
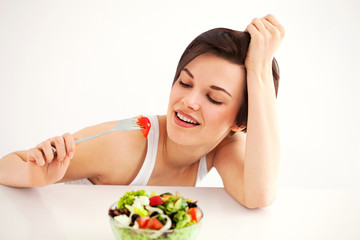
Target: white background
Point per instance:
(65, 65)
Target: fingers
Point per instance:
(273, 26)
(266, 35)
(258, 24)
(270, 18)
(44, 154)
(266, 25)
(70, 144)
(36, 156)
(59, 144)
(47, 151)
(251, 29)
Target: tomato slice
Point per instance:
(142, 221)
(155, 200)
(145, 125)
(195, 214)
(154, 223)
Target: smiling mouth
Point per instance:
(185, 119)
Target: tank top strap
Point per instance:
(202, 170)
(147, 168)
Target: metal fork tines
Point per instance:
(123, 125)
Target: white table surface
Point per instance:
(80, 212)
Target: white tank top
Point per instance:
(147, 168)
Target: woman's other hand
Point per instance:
(46, 167)
(266, 35)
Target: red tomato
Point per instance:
(142, 221)
(155, 200)
(195, 214)
(145, 125)
(154, 223)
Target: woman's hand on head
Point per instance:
(45, 166)
(266, 35)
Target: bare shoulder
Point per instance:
(114, 158)
(232, 148)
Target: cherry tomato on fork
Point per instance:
(145, 125)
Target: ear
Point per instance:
(237, 128)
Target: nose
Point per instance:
(192, 101)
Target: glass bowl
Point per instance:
(128, 233)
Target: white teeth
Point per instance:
(185, 119)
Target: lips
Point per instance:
(185, 120)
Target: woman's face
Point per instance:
(204, 101)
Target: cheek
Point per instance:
(176, 94)
(173, 95)
(222, 117)
(218, 117)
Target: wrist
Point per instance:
(259, 74)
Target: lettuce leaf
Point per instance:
(129, 197)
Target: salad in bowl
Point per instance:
(138, 215)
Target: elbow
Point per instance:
(258, 202)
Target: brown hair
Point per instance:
(228, 44)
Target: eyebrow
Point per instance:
(188, 72)
(212, 86)
(220, 89)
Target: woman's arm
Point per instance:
(248, 163)
(101, 159)
(38, 166)
(13, 170)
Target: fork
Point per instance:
(129, 124)
(123, 125)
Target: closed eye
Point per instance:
(213, 101)
(184, 84)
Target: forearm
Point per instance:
(13, 171)
(262, 150)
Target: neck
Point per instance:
(178, 156)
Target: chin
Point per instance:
(180, 135)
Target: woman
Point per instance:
(221, 114)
